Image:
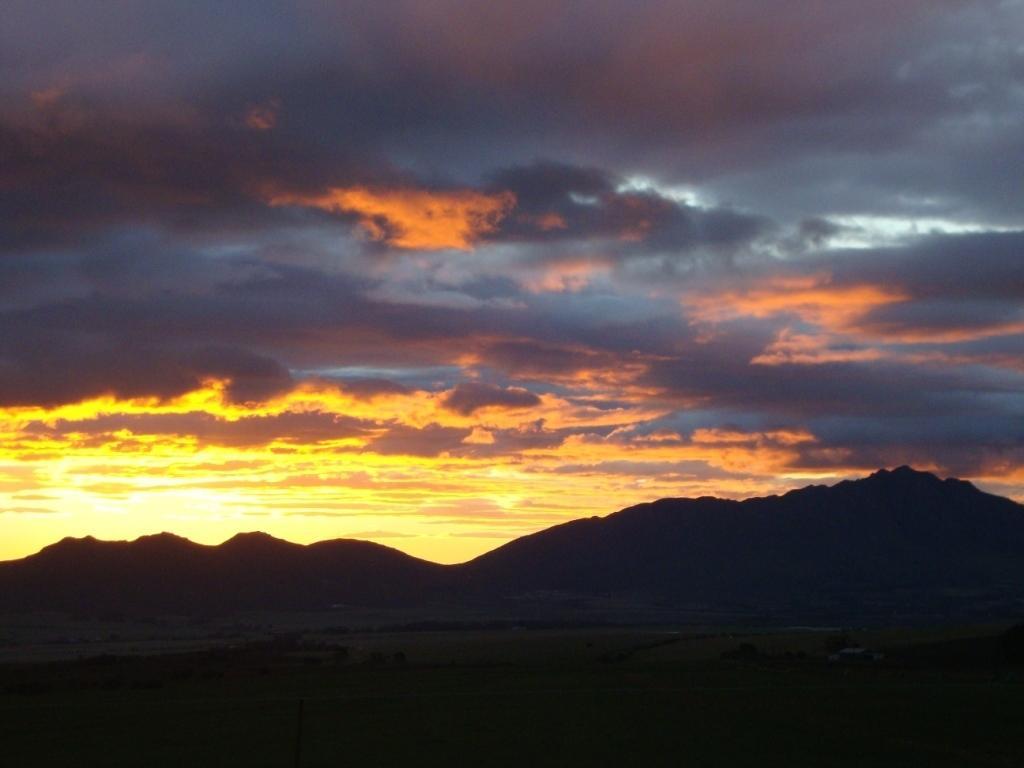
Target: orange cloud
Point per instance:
(813, 299)
(895, 333)
(415, 219)
(790, 347)
(736, 437)
(841, 311)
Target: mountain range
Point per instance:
(897, 545)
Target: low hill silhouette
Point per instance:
(251, 571)
(898, 544)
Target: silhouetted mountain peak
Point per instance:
(152, 544)
(252, 540)
(70, 544)
(910, 482)
(74, 541)
(903, 474)
(905, 470)
(164, 539)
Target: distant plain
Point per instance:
(569, 696)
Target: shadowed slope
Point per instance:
(894, 536)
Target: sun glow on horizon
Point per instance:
(402, 469)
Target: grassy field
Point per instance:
(581, 697)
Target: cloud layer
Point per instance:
(450, 271)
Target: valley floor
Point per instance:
(581, 697)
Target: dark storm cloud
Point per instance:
(253, 330)
(721, 371)
(122, 264)
(469, 397)
(939, 319)
(961, 417)
(152, 102)
(555, 201)
(163, 347)
(957, 286)
(68, 370)
(936, 288)
(428, 441)
(967, 442)
(849, 389)
(75, 172)
(69, 171)
(969, 266)
(75, 161)
(537, 358)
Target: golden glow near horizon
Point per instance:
(317, 463)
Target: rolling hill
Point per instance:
(251, 571)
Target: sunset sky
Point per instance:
(441, 273)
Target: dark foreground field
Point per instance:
(527, 697)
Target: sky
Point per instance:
(442, 273)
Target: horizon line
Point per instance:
(253, 533)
